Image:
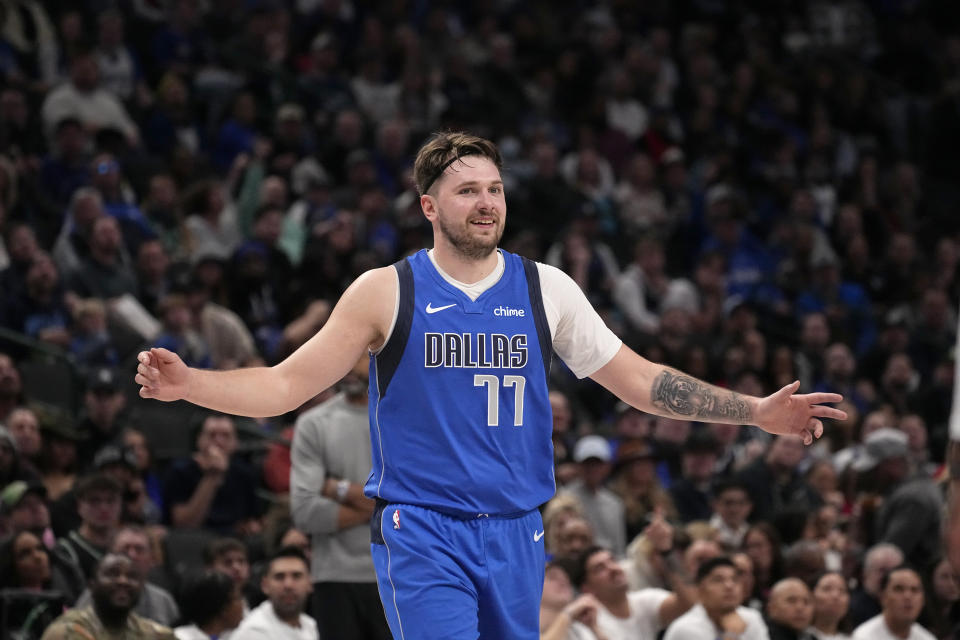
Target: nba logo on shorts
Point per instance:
(396, 519)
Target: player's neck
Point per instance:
(462, 268)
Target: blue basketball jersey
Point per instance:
(460, 417)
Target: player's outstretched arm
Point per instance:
(359, 321)
(668, 392)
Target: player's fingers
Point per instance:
(820, 398)
(164, 355)
(817, 428)
(143, 380)
(822, 411)
(788, 390)
(144, 357)
(149, 372)
(145, 392)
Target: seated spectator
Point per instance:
(789, 610)
(831, 603)
(104, 414)
(943, 605)
(25, 429)
(11, 394)
(287, 586)
(115, 587)
(178, 333)
(878, 561)
(805, 560)
(601, 507)
(18, 245)
(12, 467)
(25, 565)
(58, 465)
(105, 273)
(635, 481)
(718, 613)
(66, 169)
(118, 201)
(561, 508)
(563, 614)
(625, 615)
(99, 502)
(212, 489)
(211, 223)
(212, 605)
(229, 556)
(762, 544)
(73, 242)
(228, 338)
(135, 442)
(90, 341)
(155, 603)
(901, 601)
(691, 492)
(41, 311)
(83, 98)
(154, 274)
(574, 535)
(774, 481)
(731, 508)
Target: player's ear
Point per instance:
(429, 207)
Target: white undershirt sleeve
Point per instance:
(579, 335)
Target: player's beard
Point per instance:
(467, 244)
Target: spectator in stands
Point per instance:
(25, 564)
(104, 413)
(601, 507)
(115, 588)
(643, 287)
(762, 544)
(106, 176)
(287, 587)
(212, 605)
(136, 443)
(229, 556)
(66, 168)
(623, 615)
(563, 614)
(24, 426)
(718, 612)
(943, 601)
(691, 492)
(179, 334)
(99, 504)
(228, 338)
(574, 535)
(154, 273)
(41, 311)
(790, 610)
(105, 273)
(561, 508)
(731, 507)
(120, 71)
(901, 599)
(212, 488)
(90, 341)
(19, 242)
(85, 99)
(11, 387)
(155, 603)
(12, 467)
(910, 513)
(331, 461)
(831, 603)
(878, 561)
(211, 222)
(636, 483)
(73, 242)
(774, 482)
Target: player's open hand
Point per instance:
(789, 413)
(162, 375)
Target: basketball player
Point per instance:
(460, 340)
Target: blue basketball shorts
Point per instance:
(450, 578)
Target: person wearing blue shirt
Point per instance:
(460, 341)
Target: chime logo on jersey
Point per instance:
(475, 350)
(396, 518)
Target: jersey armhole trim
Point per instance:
(532, 274)
(389, 355)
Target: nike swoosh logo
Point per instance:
(432, 309)
(537, 535)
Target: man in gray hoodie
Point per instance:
(330, 463)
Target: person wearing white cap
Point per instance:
(910, 516)
(601, 506)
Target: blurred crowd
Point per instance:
(754, 192)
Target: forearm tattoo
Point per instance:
(685, 396)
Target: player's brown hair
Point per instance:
(443, 149)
